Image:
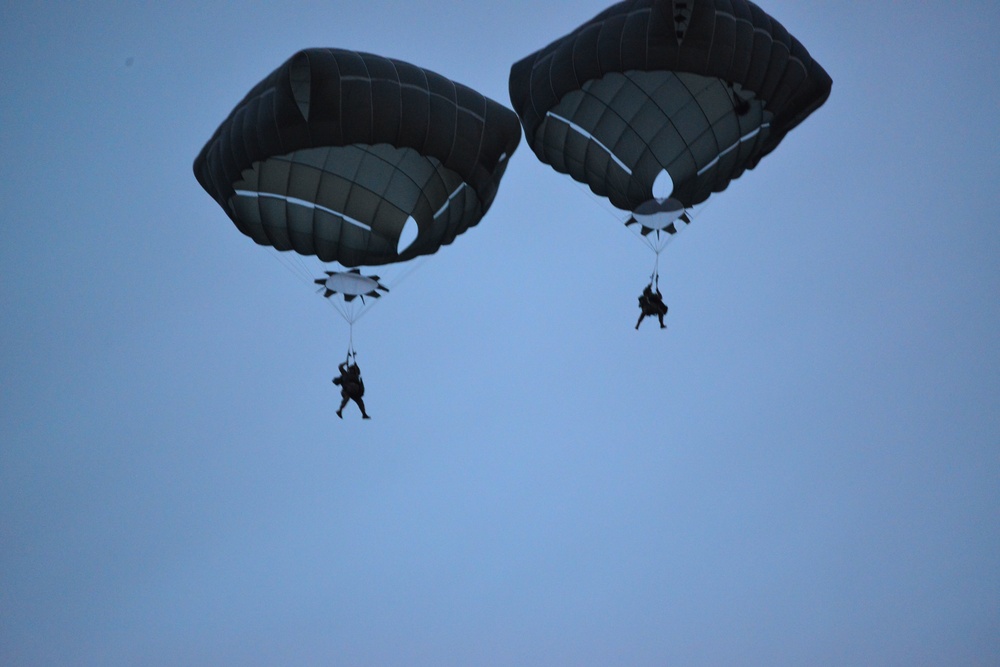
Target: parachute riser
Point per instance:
(351, 352)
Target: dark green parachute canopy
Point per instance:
(357, 158)
(699, 89)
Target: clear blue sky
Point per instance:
(803, 470)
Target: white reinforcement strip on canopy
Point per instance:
(450, 197)
(576, 128)
(307, 204)
(746, 137)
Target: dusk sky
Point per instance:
(803, 469)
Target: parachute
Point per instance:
(357, 159)
(679, 96)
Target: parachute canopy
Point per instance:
(357, 158)
(699, 89)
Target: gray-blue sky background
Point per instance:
(804, 469)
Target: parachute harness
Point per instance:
(351, 352)
(348, 307)
(655, 239)
(657, 247)
(349, 310)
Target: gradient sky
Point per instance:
(803, 470)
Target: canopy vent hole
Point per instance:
(663, 186)
(407, 236)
